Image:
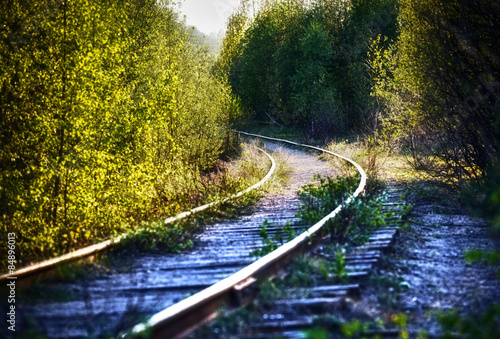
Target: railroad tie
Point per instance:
(288, 316)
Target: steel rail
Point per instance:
(106, 245)
(181, 318)
(237, 195)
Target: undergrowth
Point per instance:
(241, 173)
(272, 243)
(355, 221)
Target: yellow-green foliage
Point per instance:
(439, 83)
(303, 63)
(106, 114)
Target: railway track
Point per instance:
(40, 268)
(111, 303)
(185, 291)
(297, 309)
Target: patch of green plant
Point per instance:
(320, 199)
(355, 221)
(338, 266)
(148, 236)
(301, 272)
(328, 321)
(316, 333)
(268, 246)
(358, 328)
(354, 328)
(44, 291)
(434, 192)
(272, 243)
(490, 257)
(401, 322)
(178, 236)
(389, 300)
(474, 326)
(49, 288)
(387, 281)
(407, 209)
(230, 322)
(389, 288)
(71, 272)
(271, 289)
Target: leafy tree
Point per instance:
(310, 82)
(108, 116)
(305, 62)
(445, 84)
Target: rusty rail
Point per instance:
(179, 319)
(108, 244)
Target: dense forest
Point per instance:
(109, 115)
(111, 112)
(305, 63)
(418, 76)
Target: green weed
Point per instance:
(319, 200)
(355, 221)
(338, 266)
(482, 326)
(272, 243)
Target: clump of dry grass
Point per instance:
(380, 163)
(369, 156)
(252, 165)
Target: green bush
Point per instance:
(355, 220)
(319, 200)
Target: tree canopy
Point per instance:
(108, 115)
(420, 76)
(304, 62)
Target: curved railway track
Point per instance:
(158, 284)
(50, 264)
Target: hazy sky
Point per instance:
(209, 16)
